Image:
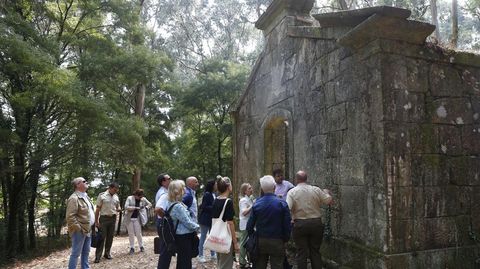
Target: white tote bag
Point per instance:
(220, 237)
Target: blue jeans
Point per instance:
(203, 235)
(80, 246)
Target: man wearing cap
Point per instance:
(80, 219)
(108, 204)
(305, 203)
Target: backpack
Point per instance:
(168, 230)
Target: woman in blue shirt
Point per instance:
(186, 229)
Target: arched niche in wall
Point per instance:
(277, 142)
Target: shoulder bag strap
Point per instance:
(223, 210)
(168, 211)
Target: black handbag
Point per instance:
(195, 243)
(97, 237)
(156, 245)
(251, 245)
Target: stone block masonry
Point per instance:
(390, 124)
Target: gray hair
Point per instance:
(77, 180)
(267, 183)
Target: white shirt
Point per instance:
(160, 192)
(162, 202)
(245, 202)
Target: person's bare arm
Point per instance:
(97, 216)
(236, 246)
(159, 211)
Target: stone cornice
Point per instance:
(281, 8)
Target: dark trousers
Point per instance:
(164, 258)
(308, 235)
(107, 228)
(184, 250)
(270, 249)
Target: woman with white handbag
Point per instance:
(222, 238)
(135, 217)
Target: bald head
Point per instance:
(301, 176)
(192, 183)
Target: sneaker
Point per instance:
(214, 257)
(132, 250)
(142, 249)
(201, 259)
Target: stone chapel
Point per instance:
(388, 122)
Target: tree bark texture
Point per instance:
(343, 4)
(454, 40)
(433, 8)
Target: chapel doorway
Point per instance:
(276, 151)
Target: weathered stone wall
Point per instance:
(392, 128)
(332, 100)
(432, 148)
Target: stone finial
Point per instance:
(279, 9)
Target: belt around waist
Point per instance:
(312, 219)
(108, 216)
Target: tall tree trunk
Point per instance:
(343, 4)
(454, 39)
(139, 107)
(16, 203)
(4, 177)
(433, 8)
(34, 177)
(22, 224)
(219, 156)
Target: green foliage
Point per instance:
(204, 146)
(69, 71)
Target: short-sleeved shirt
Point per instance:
(162, 202)
(108, 203)
(218, 206)
(305, 201)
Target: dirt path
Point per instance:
(121, 258)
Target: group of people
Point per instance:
(282, 211)
(83, 220)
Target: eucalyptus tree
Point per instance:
(67, 70)
(207, 127)
(194, 31)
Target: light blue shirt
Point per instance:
(186, 224)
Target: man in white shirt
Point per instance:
(282, 185)
(161, 204)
